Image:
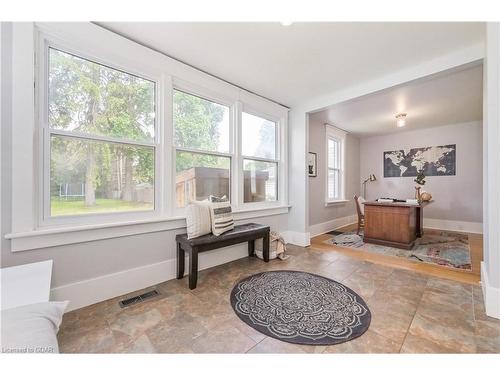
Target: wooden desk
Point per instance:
(393, 224)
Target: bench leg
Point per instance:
(193, 268)
(180, 261)
(251, 248)
(265, 247)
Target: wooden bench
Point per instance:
(241, 233)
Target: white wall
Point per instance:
(456, 198)
(321, 216)
(5, 136)
(490, 268)
(298, 218)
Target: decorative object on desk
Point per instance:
(300, 308)
(411, 201)
(417, 194)
(425, 196)
(420, 179)
(385, 200)
(433, 161)
(447, 249)
(312, 162)
(370, 178)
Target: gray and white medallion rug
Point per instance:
(300, 308)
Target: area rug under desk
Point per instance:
(300, 308)
(448, 249)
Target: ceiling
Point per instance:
(291, 64)
(447, 98)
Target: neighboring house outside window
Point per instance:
(202, 148)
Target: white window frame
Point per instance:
(46, 42)
(30, 227)
(190, 89)
(277, 158)
(337, 135)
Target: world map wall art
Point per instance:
(432, 161)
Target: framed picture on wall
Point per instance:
(312, 164)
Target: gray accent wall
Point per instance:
(318, 212)
(456, 198)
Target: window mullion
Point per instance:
(238, 176)
(255, 158)
(100, 138)
(203, 152)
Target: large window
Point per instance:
(202, 148)
(124, 137)
(101, 138)
(335, 149)
(260, 159)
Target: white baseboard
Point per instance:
(456, 226)
(297, 238)
(328, 226)
(491, 294)
(88, 292)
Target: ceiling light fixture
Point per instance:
(286, 23)
(401, 120)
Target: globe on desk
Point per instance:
(425, 196)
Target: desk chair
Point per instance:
(360, 208)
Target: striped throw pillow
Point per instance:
(198, 220)
(221, 215)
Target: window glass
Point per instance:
(333, 183)
(89, 176)
(260, 181)
(334, 168)
(333, 153)
(199, 175)
(91, 98)
(258, 136)
(200, 124)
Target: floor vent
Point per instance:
(140, 298)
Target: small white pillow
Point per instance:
(32, 328)
(221, 215)
(198, 220)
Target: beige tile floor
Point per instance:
(411, 313)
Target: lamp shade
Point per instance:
(373, 178)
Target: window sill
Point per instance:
(49, 237)
(333, 203)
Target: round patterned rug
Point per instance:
(300, 308)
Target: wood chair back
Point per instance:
(361, 217)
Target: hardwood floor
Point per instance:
(475, 243)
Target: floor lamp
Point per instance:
(370, 178)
